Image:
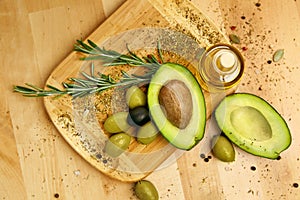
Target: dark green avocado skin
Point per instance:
(189, 136)
(253, 124)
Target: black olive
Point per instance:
(138, 116)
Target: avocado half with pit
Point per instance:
(181, 85)
(253, 125)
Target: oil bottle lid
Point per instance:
(227, 59)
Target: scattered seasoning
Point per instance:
(258, 4)
(194, 165)
(295, 185)
(232, 28)
(104, 161)
(278, 55)
(278, 158)
(205, 158)
(234, 39)
(243, 17)
(56, 195)
(253, 168)
(244, 48)
(269, 61)
(99, 156)
(77, 172)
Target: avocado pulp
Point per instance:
(253, 125)
(187, 136)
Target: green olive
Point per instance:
(145, 190)
(135, 97)
(223, 149)
(147, 133)
(117, 144)
(117, 123)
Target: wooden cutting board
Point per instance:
(37, 163)
(134, 22)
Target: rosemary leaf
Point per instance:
(94, 45)
(79, 87)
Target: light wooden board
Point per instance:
(84, 132)
(37, 162)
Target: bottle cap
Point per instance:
(227, 60)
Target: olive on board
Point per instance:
(147, 133)
(135, 97)
(117, 144)
(145, 190)
(117, 123)
(223, 149)
(138, 116)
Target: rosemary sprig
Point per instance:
(91, 83)
(113, 58)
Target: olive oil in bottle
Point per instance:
(221, 67)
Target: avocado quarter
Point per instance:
(187, 137)
(253, 125)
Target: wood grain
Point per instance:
(37, 163)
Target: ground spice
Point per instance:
(232, 28)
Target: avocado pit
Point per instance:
(176, 101)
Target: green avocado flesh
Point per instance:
(182, 138)
(253, 125)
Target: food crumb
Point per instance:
(56, 195)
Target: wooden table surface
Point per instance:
(37, 163)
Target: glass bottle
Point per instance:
(221, 67)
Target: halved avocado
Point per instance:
(187, 137)
(253, 125)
